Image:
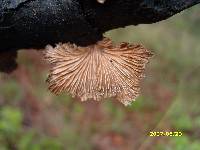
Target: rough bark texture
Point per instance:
(36, 23)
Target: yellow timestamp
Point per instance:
(165, 133)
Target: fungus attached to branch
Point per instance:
(97, 71)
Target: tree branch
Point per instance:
(35, 23)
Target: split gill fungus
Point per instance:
(99, 71)
(86, 70)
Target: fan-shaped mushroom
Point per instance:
(97, 71)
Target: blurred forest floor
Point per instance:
(31, 118)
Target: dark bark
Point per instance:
(8, 61)
(36, 23)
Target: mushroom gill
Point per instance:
(97, 71)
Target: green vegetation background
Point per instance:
(31, 118)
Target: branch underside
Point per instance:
(28, 24)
